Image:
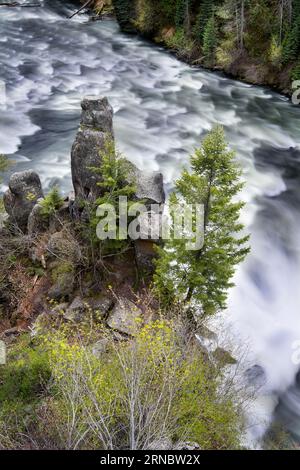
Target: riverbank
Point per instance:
(265, 64)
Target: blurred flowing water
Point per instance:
(162, 110)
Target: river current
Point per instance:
(163, 108)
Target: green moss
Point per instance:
(61, 269)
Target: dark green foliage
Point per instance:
(114, 172)
(291, 43)
(295, 75)
(180, 13)
(204, 275)
(205, 13)
(210, 41)
(125, 12)
(51, 203)
(258, 24)
(26, 374)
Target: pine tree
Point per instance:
(210, 41)
(291, 43)
(205, 275)
(206, 9)
(52, 202)
(180, 13)
(125, 13)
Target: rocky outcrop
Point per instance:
(81, 309)
(63, 247)
(95, 128)
(149, 186)
(125, 317)
(24, 191)
(37, 222)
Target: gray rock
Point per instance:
(97, 114)
(145, 249)
(100, 305)
(161, 444)
(125, 317)
(80, 308)
(77, 311)
(186, 446)
(24, 191)
(37, 222)
(62, 247)
(96, 128)
(149, 185)
(100, 347)
(256, 376)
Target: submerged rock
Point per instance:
(256, 376)
(24, 191)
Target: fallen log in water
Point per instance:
(81, 8)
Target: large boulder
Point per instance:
(96, 128)
(149, 186)
(24, 191)
(125, 317)
(81, 309)
(37, 222)
(62, 246)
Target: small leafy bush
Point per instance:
(51, 203)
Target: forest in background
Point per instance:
(257, 41)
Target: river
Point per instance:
(162, 110)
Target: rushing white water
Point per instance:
(162, 109)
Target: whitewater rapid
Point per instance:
(162, 110)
